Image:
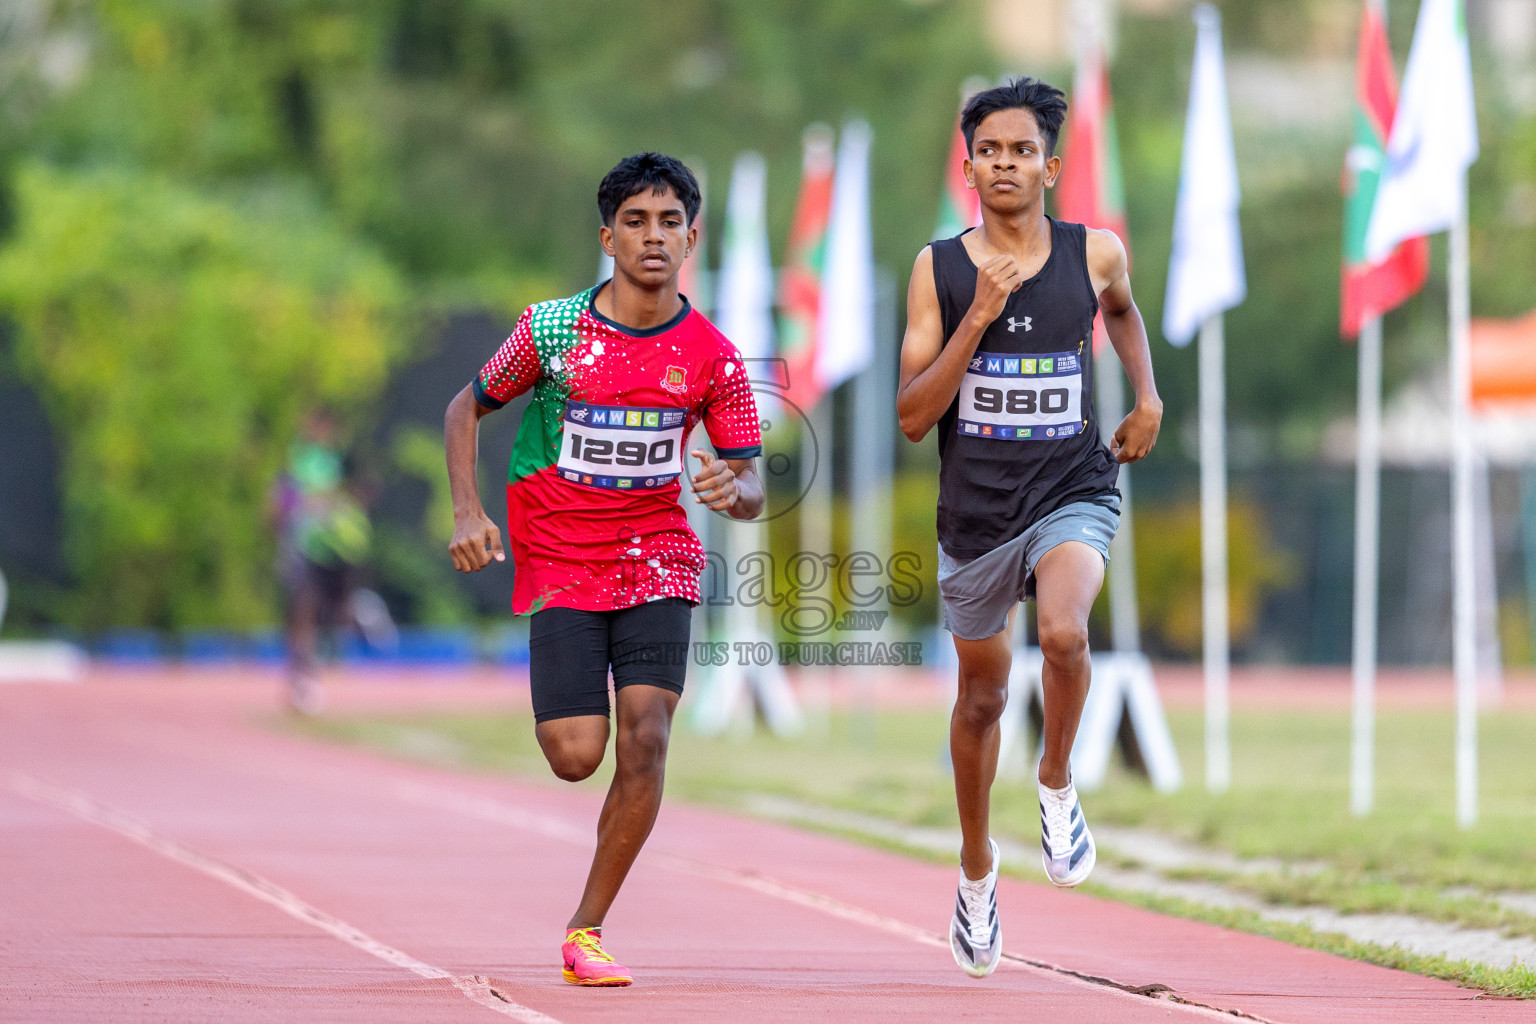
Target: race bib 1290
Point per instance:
(626, 448)
(1022, 398)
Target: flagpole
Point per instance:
(1423, 190)
(746, 290)
(873, 395)
(1362, 781)
(845, 321)
(1464, 652)
(1490, 665)
(815, 538)
(1528, 539)
(869, 475)
(1124, 616)
(1213, 553)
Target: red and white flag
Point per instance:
(1090, 190)
(800, 279)
(959, 207)
(1371, 288)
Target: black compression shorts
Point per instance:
(571, 651)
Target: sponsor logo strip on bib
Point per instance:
(622, 447)
(1014, 397)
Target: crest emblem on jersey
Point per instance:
(676, 380)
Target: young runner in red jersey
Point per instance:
(605, 562)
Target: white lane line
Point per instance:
(501, 813)
(893, 926)
(476, 989)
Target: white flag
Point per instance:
(1205, 269)
(744, 299)
(1434, 134)
(846, 323)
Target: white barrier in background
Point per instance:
(1123, 709)
(42, 661)
(731, 694)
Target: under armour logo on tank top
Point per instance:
(1021, 439)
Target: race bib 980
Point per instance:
(1022, 398)
(621, 447)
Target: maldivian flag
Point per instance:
(1090, 190)
(800, 278)
(960, 207)
(1434, 134)
(1371, 289)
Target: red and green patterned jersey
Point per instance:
(593, 519)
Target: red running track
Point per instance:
(165, 856)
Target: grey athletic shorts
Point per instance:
(978, 593)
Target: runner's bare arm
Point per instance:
(476, 540)
(728, 485)
(1107, 266)
(931, 371)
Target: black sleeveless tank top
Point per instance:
(1021, 438)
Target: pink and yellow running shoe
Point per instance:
(587, 964)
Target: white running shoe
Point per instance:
(975, 933)
(1069, 854)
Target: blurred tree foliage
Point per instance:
(467, 137)
(177, 341)
(1168, 580)
(226, 207)
(407, 158)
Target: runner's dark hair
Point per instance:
(1046, 102)
(653, 171)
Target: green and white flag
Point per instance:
(1434, 134)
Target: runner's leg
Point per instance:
(649, 644)
(568, 673)
(634, 797)
(973, 739)
(301, 635)
(574, 746)
(1067, 580)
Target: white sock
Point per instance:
(968, 880)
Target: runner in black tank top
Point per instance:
(1028, 443)
(998, 356)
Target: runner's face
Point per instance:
(650, 238)
(1008, 166)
